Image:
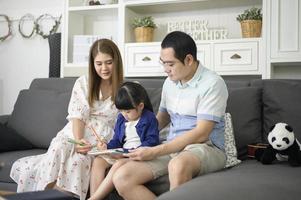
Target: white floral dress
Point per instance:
(61, 163)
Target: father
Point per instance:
(193, 102)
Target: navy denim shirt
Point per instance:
(147, 129)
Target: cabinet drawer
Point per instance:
(143, 60)
(241, 56)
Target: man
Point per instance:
(193, 102)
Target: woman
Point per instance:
(91, 110)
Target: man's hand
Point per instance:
(141, 153)
(83, 147)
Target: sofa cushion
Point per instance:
(38, 115)
(250, 180)
(13, 141)
(281, 103)
(230, 146)
(155, 97)
(244, 105)
(8, 158)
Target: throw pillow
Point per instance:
(13, 141)
(245, 107)
(282, 104)
(230, 147)
(38, 115)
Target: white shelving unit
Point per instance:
(283, 39)
(141, 59)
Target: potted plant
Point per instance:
(251, 22)
(144, 29)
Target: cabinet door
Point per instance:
(285, 30)
(203, 54)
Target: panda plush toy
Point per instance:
(282, 146)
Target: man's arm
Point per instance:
(163, 119)
(197, 135)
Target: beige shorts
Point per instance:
(211, 158)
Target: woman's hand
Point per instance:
(83, 147)
(102, 146)
(141, 153)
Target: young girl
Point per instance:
(136, 126)
(65, 165)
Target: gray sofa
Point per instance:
(255, 105)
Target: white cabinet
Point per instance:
(285, 30)
(236, 57)
(141, 59)
(226, 57)
(283, 38)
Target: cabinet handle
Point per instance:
(235, 56)
(146, 58)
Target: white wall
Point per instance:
(21, 59)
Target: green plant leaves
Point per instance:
(250, 14)
(144, 22)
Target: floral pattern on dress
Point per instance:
(61, 163)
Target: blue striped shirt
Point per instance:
(204, 97)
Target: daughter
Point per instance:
(136, 126)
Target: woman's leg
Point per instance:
(98, 170)
(129, 180)
(106, 185)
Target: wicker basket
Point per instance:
(144, 34)
(251, 28)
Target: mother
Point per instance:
(66, 165)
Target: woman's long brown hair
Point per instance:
(107, 47)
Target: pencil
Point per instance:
(75, 142)
(79, 143)
(97, 136)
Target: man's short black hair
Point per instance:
(181, 43)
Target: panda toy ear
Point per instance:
(272, 127)
(289, 128)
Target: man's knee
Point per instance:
(121, 179)
(178, 166)
(184, 165)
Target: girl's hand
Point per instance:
(101, 146)
(84, 147)
(141, 153)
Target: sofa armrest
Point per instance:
(4, 119)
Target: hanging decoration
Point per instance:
(29, 17)
(9, 31)
(38, 25)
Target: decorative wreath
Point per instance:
(54, 28)
(28, 16)
(9, 32)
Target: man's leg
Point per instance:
(194, 160)
(183, 168)
(129, 180)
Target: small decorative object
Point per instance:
(94, 2)
(144, 29)
(251, 22)
(9, 29)
(52, 30)
(283, 146)
(27, 17)
(197, 29)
